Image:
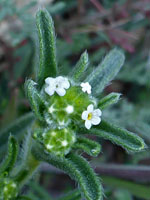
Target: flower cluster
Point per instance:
(60, 85)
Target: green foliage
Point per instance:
(57, 134)
(73, 165)
(108, 100)
(11, 157)
(117, 135)
(90, 147)
(35, 99)
(80, 67)
(48, 63)
(106, 71)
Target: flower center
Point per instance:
(89, 116)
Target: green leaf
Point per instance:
(80, 67)
(78, 169)
(16, 128)
(108, 100)
(106, 71)
(90, 147)
(46, 33)
(73, 195)
(139, 190)
(34, 98)
(126, 139)
(11, 157)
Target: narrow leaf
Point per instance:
(78, 169)
(106, 71)
(34, 98)
(128, 140)
(11, 157)
(80, 67)
(108, 100)
(46, 33)
(90, 147)
(73, 195)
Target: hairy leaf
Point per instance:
(78, 169)
(108, 100)
(34, 98)
(90, 147)
(11, 157)
(128, 140)
(80, 67)
(106, 71)
(46, 33)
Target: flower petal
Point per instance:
(85, 115)
(90, 108)
(97, 112)
(86, 87)
(88, 124)
(82, 84)
(50, 91)
(89, 91)
(50, 81)
(61, 91)
(95, 120)
(65, 83)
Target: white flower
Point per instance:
(91, 116)
(58, 85)
(86, 87)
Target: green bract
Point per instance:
(65, 109)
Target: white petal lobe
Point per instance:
(85, 115)
(61, 91)
(96, 120)
(88, 124)
(90, 108)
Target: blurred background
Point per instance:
(98, 26)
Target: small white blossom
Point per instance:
(86, 87)
(64, 143)
(58, 85)
(69, 109)
(91, 116)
